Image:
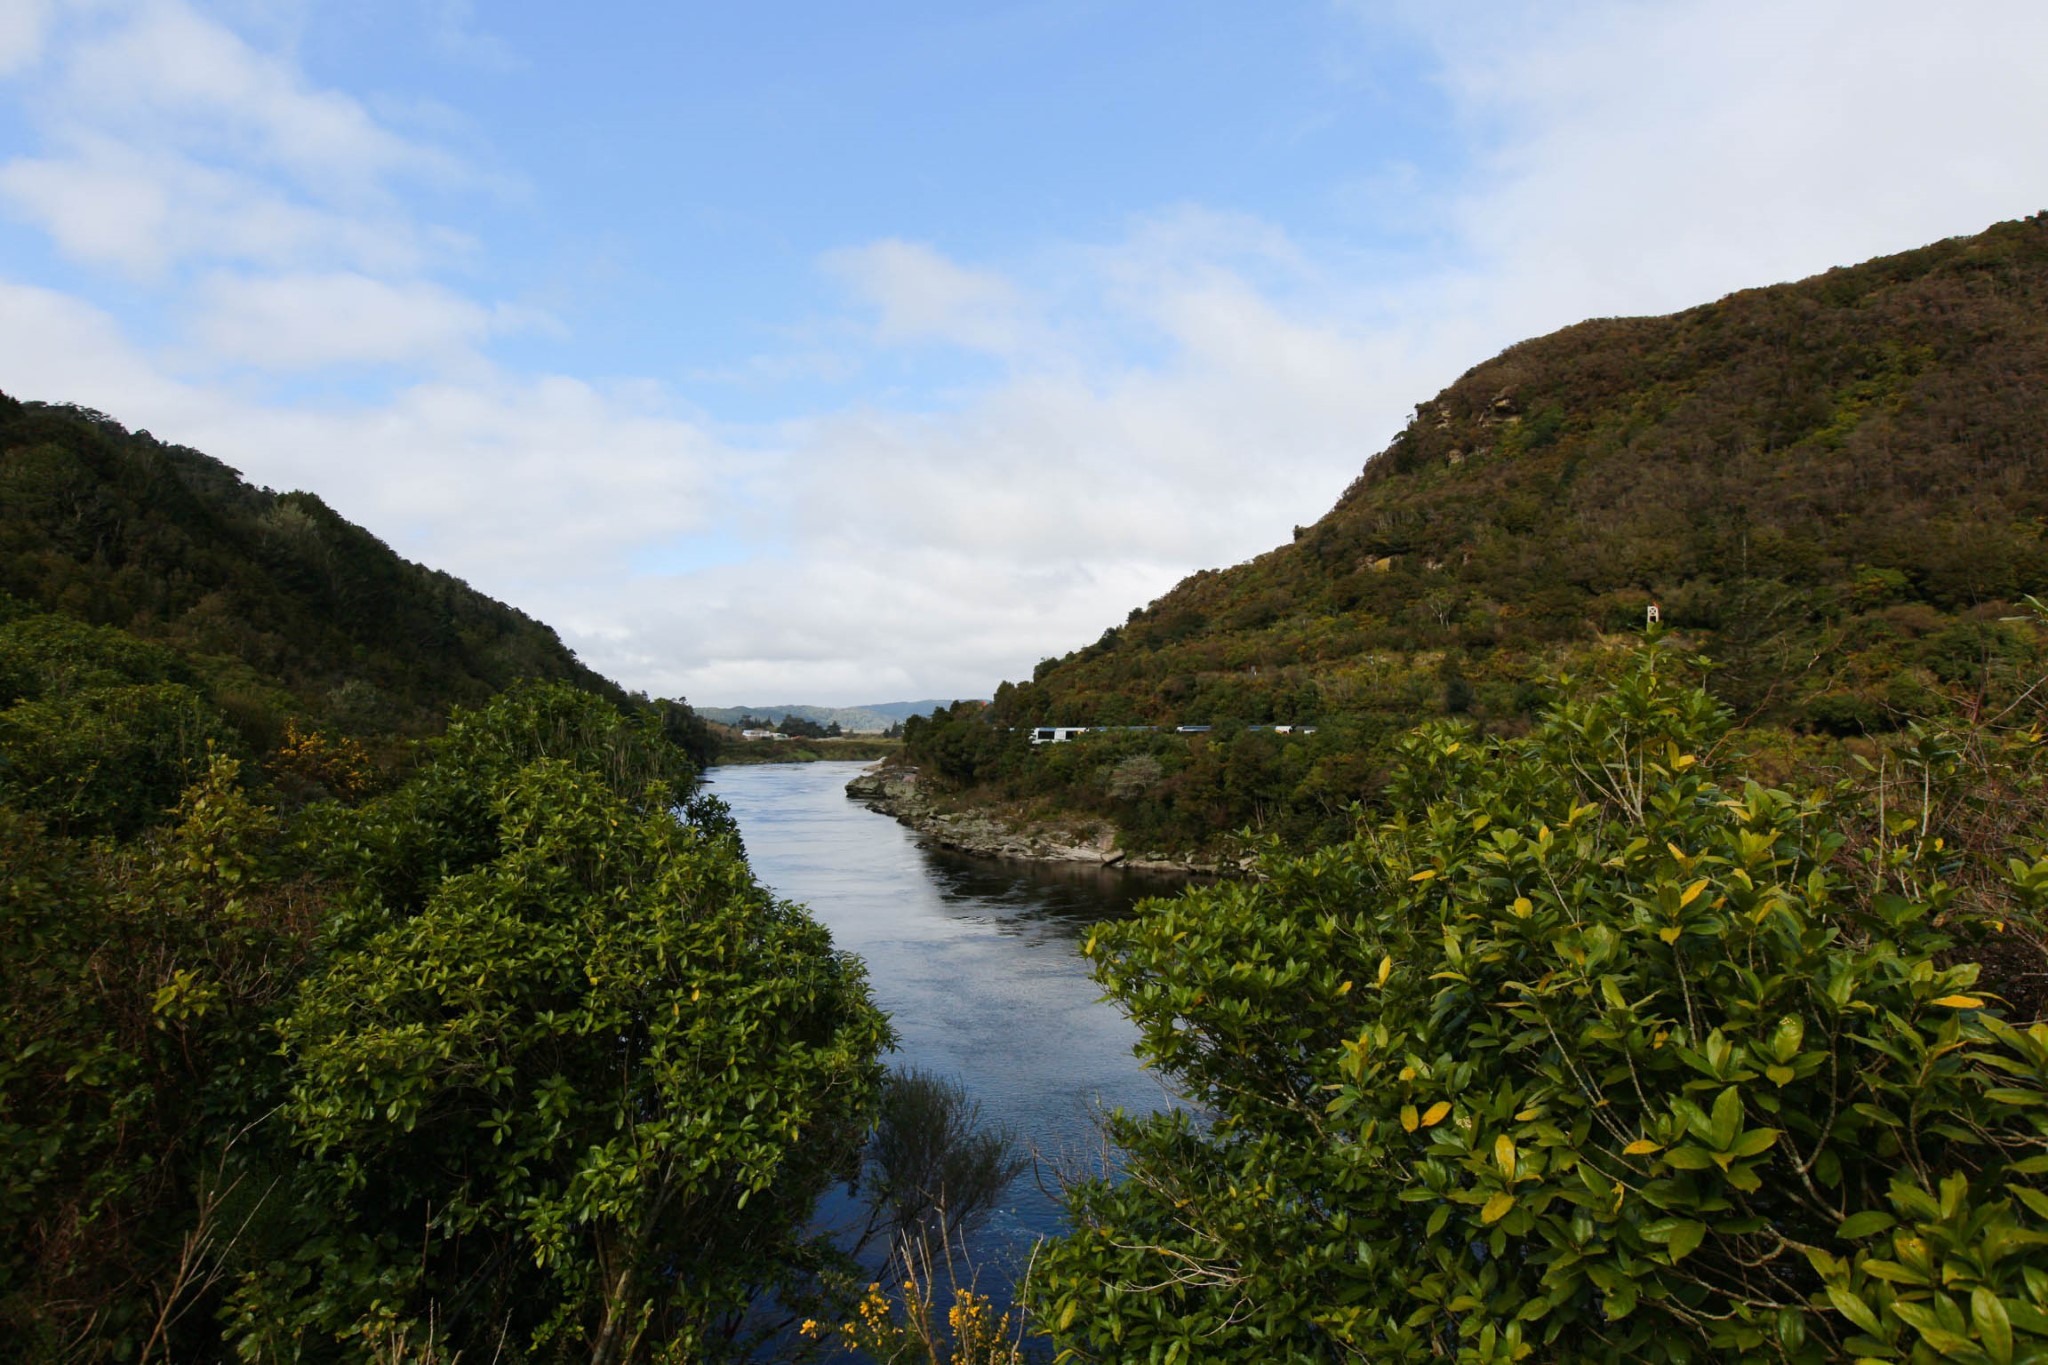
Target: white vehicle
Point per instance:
(1058, 734)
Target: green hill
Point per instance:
(278, 603)
(1838, 488)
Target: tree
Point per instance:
(1595, 1051)
(579, 1096)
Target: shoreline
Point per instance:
(895, 792)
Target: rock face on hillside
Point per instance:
(895, 790)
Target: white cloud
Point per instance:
(55, 348)
(162, 73)
(270, 213)
(526, 486)
(310, 322)
(920, 296)
(110, 203)
(455, 32)
(22, 24)
(1651, 155)
(937, 552)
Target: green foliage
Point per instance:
(1165, 790)
(139, 984)
(1595, 1051)
(51, 657)
(106, 759)
(443, 822)
(99, 731)
(587, 1094)
(516, 1061)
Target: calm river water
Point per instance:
(978, 964)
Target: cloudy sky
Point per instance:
(846, 353)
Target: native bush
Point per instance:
(574, 1095)
(1594, 1052)
(515, 1062)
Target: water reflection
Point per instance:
(977, 962)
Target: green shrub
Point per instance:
(1596, 1052)
(107, 760)
(576, 1094)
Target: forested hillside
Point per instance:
(1838, 489)
(280, 605)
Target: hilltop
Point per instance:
(1837, 488)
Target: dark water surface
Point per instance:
(977, 962)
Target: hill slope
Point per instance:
(279, 602)
(1837, 487)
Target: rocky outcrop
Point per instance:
(895, 790)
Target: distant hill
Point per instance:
(279, 604)
(854, 720)
(1838, 488)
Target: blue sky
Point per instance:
(848, 353)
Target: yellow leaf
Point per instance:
(1434, 1115)
(1522, 907)
(1386, 968)
(1504, 1155)
(1641, 1147)
(1424, 875)
(1408, 1118)
(1497, 1207)
(1670, 934)
(1692, 893)
(1528, 1114)
(1407, 1073)
(1961, 1002)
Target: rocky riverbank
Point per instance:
(895, 790)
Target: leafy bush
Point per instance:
(107, 760)
(592, 1088)
(567, 1079)
(1594, 1052)
(558, 1079)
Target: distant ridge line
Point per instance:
(857, 720)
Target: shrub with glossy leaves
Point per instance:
(574, 1096)
(1596, 1052)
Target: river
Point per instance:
(978, 964)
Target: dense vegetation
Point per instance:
(329, 1035)
(1839, 488)
(278, 607)
(508, 1061)
(1676, 1012)
(1597, 1050)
